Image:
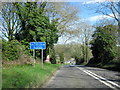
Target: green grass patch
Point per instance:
(26, 76)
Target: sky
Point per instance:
(87, 12)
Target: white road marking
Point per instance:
(105, 79)
(101, 79)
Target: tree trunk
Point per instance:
(86, 53)
(118, 32)
(83, 50)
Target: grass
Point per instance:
(26, 76)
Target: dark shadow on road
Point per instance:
(97, 69)
(114, 80)
(118, 75)
(74, 66)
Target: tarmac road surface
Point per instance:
(78, 76)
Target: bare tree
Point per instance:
(111, 8)
(65, 14)
(10, 21)
(84, 34)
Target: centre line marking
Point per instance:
(104, 79)
(101, 79)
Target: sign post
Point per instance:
(42, 57)
(38, 45)
(34, 56)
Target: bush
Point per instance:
(104, 44)
(52, 56)
(93, 62)
(79, 60)
(11, 50)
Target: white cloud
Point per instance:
(98, 1)
(99, 17)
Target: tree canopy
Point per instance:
(104, 44)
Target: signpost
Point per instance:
(38, 45)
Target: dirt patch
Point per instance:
(24, 59)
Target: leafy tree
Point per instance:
(35, 26)
(60, 50)
(32, 21)
(104, 44)
(52, 55)
(72, 50)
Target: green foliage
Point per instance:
(31, 29)
(104, 44)
(35, 26)
(11, 50)
(26, 45)
(52, 56)
(118, 54)
(79, 60)
(62, 58)
(24, 76)
(68, 51)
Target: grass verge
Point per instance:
(26, 76)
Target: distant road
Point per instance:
(84, 77)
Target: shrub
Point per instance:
(104, 44)
(11, 50)
(79, 60)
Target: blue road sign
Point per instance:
(37, 45)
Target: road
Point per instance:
(84, 77)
